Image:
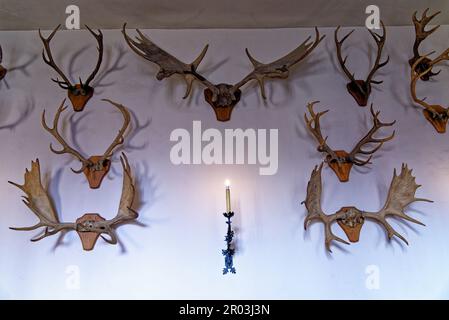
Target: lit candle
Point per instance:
(228, 196)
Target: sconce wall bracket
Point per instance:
(230, 250)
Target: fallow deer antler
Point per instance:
(79, 93)
(339, 160)
(400, 195)
(361, 89)
(222, 97)
(437, 115)
(95, 167)
(420, 35)
(38, 201)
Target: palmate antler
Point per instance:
(314, 211)
(220, 96)
(420, 35)
(400, 195)
(437, 115)
(38, 201)
(95, 167)
(339, 160)
(79, 93)
(361, 89)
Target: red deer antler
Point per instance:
(361, 89)
(339, 160)
(79, 93)
(420, 35)
(95, 167)
(400, 195)
(222, 97)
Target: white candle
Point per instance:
(228, 195)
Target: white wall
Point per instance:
(176, 251)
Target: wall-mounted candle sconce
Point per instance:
(230, 250)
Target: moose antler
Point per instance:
(339, 160)
(437, 115)
(222, 97)
(90, 226)
(400, 195)
(95, 167)
(361, 89)
(79, 93)
(420, 35)
(3, 70)
(314, 211)
(38, 201)
(280, 67)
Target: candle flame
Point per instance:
(227, 183)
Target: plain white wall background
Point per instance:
(177, 251)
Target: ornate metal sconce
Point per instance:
(230, 250)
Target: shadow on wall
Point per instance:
(7, 108)
(19, 66)
(110, 66)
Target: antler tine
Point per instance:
(38, 201)
(99, 38)
(119, 139)
(414, 79)
(420, 25)
(65, 147)
(380, 42)
(416, 76)
(342, 61)
(368, 138)
(316, 129)
(400, 195)
(314, 211)
(49, 58)
(315, 119)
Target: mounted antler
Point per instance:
(437, 115)
(38, 201)
(340, 161)
(3, 70)
(90, 226)
(95, 168)
(81, 92)
(400, 195)
(222, 97)
(361, 89)
(421, 34)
